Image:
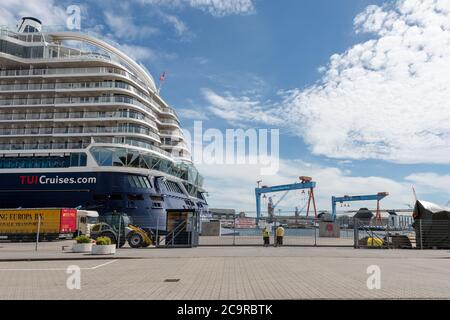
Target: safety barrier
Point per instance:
(301, 232)
(408, 234)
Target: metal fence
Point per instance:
(403, 234)
(304, 232)
(399, 232)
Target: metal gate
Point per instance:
(182, 230)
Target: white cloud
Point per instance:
(139, 52)
(45, 10)
(232, 186)
(123, 26)
(224, 7)
(430, 183)
(179, 26)
(240, 109)
(192, 114)
(218, 8)
(386, 98)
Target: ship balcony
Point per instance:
(171, 134)
(171, 112)
(169, 122)
(85, 87)
(176, 146)
(184, 159)
(79, 132)
(71, 73)
(130, 142)
(87, 116)
(43, 146)
(73, 101)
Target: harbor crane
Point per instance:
(271, 206)
(305, 183)
(378, 197)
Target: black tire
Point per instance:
(135, 240)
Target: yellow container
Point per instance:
(26, 221)
(375, 242)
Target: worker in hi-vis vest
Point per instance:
(280, 235)
(266, 237)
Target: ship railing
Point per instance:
(6, 31)
(178, 144)
(78, 100)
(87, 70)
(88, 115)
(131, 142)
(169, 121)
(70, 71)
(42, 146)
(86, 86)
(171, 133)
(170, 238)
(78, 130)
(170, 111)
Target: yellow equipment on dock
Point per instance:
(375, 242)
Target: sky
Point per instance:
(358, 88)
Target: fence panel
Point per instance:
(305, 232)
(388, 234)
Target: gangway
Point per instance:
(305, 183)
(378, 197)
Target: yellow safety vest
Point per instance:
(266, 233)
(280, 232)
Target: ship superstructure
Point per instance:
(82, 124)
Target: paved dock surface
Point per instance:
(225, 273)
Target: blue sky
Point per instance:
(339, 121)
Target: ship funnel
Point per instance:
(29, 24)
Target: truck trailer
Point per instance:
(24, 224)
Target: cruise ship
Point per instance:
(82, 125)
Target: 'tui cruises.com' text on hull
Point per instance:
(33, 180)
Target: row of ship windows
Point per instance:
(74, 160)
(107, 84)
(139, 182)
(86, 100)
(125, 113)
(173, 187)
(21, 51)
(122, 128)
(63, 145)
(70, 71)
(66, 85)
(77, 100)
(121, 157)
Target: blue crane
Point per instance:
(305, 183)
(378, 197)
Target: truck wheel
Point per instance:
(135, 240)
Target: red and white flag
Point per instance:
(162, 78)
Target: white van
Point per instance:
(85, 221)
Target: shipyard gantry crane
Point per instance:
(378, 197)
(305, 183)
